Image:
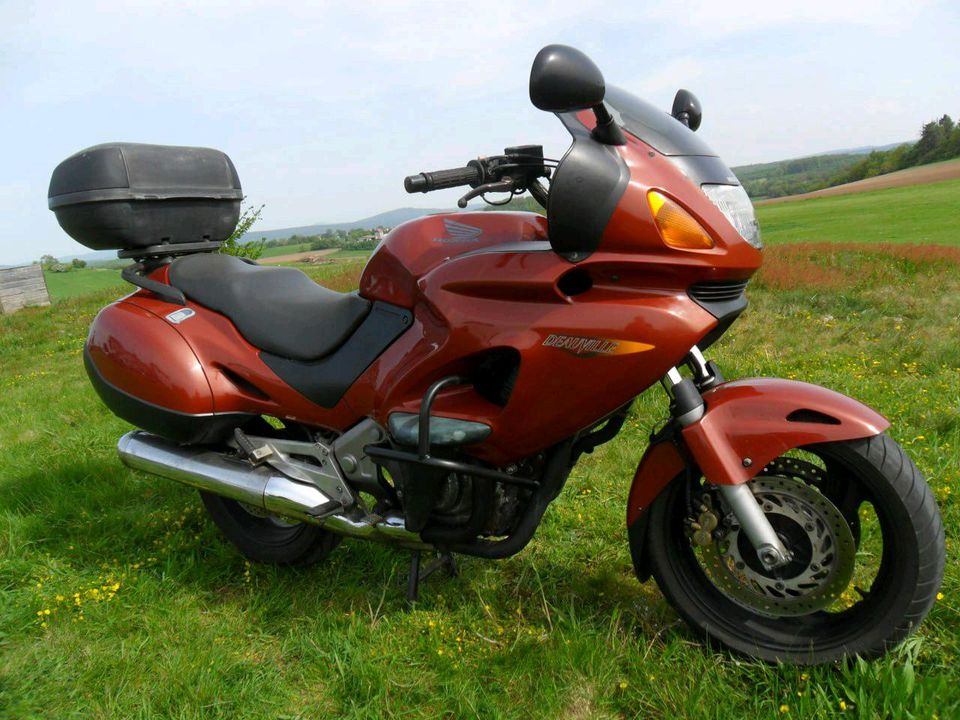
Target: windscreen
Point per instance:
(652, 125)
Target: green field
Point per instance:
(285, 250)
(919, 214)
(119, 599)
(351, 253)
(80, 282)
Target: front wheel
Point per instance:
(868, 554)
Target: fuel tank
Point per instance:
(415, 248)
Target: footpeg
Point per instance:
(254, 453)
(311, 463)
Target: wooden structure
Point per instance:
(22, 286)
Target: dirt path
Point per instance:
(949, 170)
(297, 257)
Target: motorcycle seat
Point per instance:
(276, 309)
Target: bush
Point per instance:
(233, 246)
(78, 263)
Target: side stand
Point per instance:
(445, 560)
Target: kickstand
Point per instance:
(444, 560)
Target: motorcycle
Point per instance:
(441, 408)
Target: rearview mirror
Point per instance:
(563, 79)
(686, 109)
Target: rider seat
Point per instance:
(276, 309)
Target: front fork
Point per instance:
(687, 407)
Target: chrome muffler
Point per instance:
(259, 486)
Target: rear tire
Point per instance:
(902, 593)
(266, 538)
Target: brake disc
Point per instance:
(813, 530)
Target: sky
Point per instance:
(324, 107)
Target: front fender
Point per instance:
(747, 423)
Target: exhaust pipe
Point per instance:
(262, 487)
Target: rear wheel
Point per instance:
(267, 538)
(867, 542)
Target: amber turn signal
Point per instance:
(677, 227)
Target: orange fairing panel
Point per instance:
(750, 422)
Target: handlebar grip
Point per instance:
(440, 179)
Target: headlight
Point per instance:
(735, 204)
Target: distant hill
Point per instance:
(390, 218)
(800, 175)
(918, 175)
(864, 150)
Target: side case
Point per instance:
(147, 374)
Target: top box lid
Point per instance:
(134, 171)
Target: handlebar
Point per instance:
(514, 172)
(424, 182)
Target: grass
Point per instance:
(919, 214)
(351, 253)
(152, 615)
(81, 282)
(285, 250)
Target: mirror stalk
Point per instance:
(607, 131)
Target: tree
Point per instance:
(48, 261)
(78, 264)
(233, 246)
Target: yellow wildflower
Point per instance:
(843, 706)
(939, 596)
(623, 684)
(784, 709)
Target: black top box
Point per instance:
(127, 196)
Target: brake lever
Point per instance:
(504, 185)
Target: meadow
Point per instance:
(119, 599)
(917, 214)
(82, 282)
(285, 250)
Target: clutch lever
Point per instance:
(502, 185)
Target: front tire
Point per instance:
(268, 538)
(903, 590)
